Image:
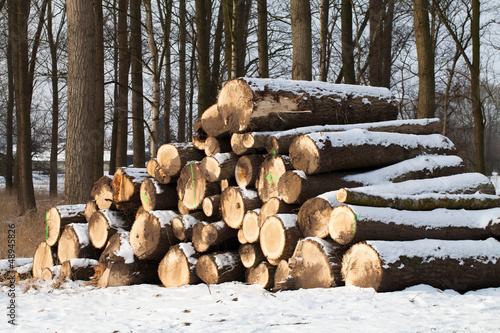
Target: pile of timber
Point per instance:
(287, 184)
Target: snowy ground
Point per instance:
(234, 307)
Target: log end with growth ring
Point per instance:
(361, 267)
(290, 187)
(168, 159)
(270, 172)
(313, 217)
(53, 220)
(211, 169)
(304, 155)
(235, 105)
(43, 258)
(272, 238)
(250, 226)
(342, 225)
(144, 235)
(98, 230)
(233, 208)
(148, 199)
(206, 269)
(174, 268)
(69, 245)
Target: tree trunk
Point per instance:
(279, 142)
(219, 166)
(387, 266)
(173, 157)
(271, 170)
(75, 243)
(240, 17)
(247, 170)
(123, 70)
(477, 110)
(168, 72)
(314, 215)
(102, 192)
(156, 196)
(262, 47)
(279, 236)
(220, 267)
(251, 255)
(78, 269)
(104, 224)
(235, 202)
(347, 43)
(324, 10)
(262, 274)
(58, 217)
(181, 137)
(379, 59)
(301, 40)
(98, 133)
(152, 234)
(43, 257)
(217, 146)
(203, 27)
(177, 268)
(9, 155)
(264, 104)
(327, 152)
(250, 226)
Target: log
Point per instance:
(182, 226)
(152, 234)
(251, 255)
(172, 157)
(155, 171)
(43, 257)
(279, 142)
(90, 208)
(75, 243)
(315, 213)
(352, 224)
(183, 210)
(51, 273)
(177, 268)
(199, 135)
(249, 142)
(78, 269)
(102, 192)
(326, 152)
(192, 187)
(275, 206)
(316, 263)
(225, 183)
(157, 196)
(212, 123)
(250, 226)
(219, 166)
(262, 275)
(199, 245)
(273, 104)
(445, 264)
(279, 236)
(211, 206)
(59, 216)
(215, 146)
(241, 237)
(247, 169)
(283, 279)
(127, 184)
(105, 223)
(217, 233)
(235, 202)
(220, 267)
(269, 174)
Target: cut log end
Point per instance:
(250, 226)
(361, 267)
(290, 187)
(233, 208)
(272, 238)
(341, 195)
(169, 159)
(313, 217)
(43, 258)
(175, 270)
(144, 235)
(270, 172)
(235, 95)
(304, 155)
(251, 255)
(342, 225)
(206, 269)
(98, 230)
(262, 275)
(211, 169)
(53, 219)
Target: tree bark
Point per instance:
(262, 47)
(301, 40)
(168, 72)
(203, 23)
(324, 10)
(177, 268)
(381, 16)
(217, 146)
(9, 155)
(58, 217)
(98, 133)
(181, 137)
(123, 70)
(217, 233)
(183, 225)
(249, 142)
(347, 43)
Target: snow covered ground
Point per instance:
(231, 307)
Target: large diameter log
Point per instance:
(59, 216)
(461, 265)
(152, 234)
(212, 123)
(279, 142)
(273, 104)
(220, 267)
(283, 278)
(43, 257)
(316, 263)
(155, 171)
(249, 142)
(235, 202)
(354, 149)
(218, 166)
(262, 275)
(275, 206)
(157, 196)
(78, 269)
(352, 224)
(192, 187)
(279, 236)
(105, 223)
(102, 192)
(247, 169)
(215, 146)
(211, 206)
(251, 255)
(177, 268)
(314, 215)
(250, 226)
(269, 174)
(127, 184)
(172, 157)
(75, 243)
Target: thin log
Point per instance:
(251, 255)
(219, 166)
(250, 226)
(183, 225)
(157, 196)
(172, 157)
(247, 170)
(90, 208)
(211, 206)
(59, 216)
(269, 174)
(177, 268)
(78, 269)
(51, 273)
(235, 202)
(220, 267)
(279, 236)
(275, 206)
(249, 142)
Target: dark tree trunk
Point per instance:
(98, 132)
(301, 40)
(203, 22)
(262, 38)
(347, 43)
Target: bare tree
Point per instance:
(347, 43)
(123, 70)
(98, 132)
(203, 27)
(301, 40)
(182, 72)
(381, 18)
(262, 37)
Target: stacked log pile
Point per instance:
(288, 184)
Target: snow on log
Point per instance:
(251, 255)
(215, 146)
(177, 268)
(127, 183)
(262, 275)
(461, 265)
(279, 236)
(249, 142)
(192, 186)
(43, 257)
(279, 142)
(75, 243)
(59, 216)
(316, 263)
(235, 202)
(357, 148)
(157, 196)
(352, 224)
(269, 174)
(172, 157)
(248, 104)
(220, 267)
(102, 192)
(247, 169)
(78, 269)
(211, 206)
(314, 215)
(105, 223)
(219, 166)
(250, 226)
(152, 234)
